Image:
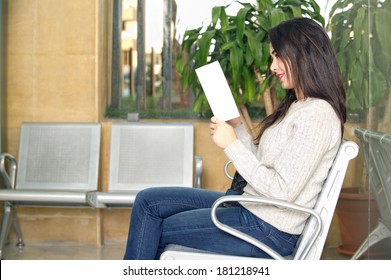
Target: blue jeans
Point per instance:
(181, 215)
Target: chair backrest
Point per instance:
(58, 156)
(326, 204)
(145, 154)
(377, 155)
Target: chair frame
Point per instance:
(19, 192)
(311, 242)
(377, 157)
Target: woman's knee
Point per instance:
(145, 195)
(150, 195)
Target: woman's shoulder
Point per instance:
(314, 114)
(314, 104)
(314, 110)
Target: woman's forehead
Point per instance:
(271, 49)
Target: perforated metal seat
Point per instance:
(57, 166)
(148, 154)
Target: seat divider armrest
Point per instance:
(198, 172)
(10, 175)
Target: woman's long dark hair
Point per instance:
(306, 50)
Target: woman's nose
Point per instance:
(273, 66)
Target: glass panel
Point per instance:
(362, 41)
(147, 88)
(149, 82)
(183, 18)
(128, 37)
(1, 78)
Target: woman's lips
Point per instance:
(280, 76)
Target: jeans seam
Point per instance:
(141, 236)
(175, 202)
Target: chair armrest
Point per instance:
(264, 200)
(226, 170)
(10, 175)
(122, 199)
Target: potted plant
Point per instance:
(239, 42)
(360, 36)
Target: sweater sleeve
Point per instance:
(285, 176)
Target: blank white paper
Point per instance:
(217, 91)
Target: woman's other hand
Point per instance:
(223, 133)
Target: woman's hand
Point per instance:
(222, 133)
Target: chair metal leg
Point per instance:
(15, 224)
(379, 233)
(6, 224)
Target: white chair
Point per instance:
(377, 155)
(57, 165)
(148, 154)
(311, 241)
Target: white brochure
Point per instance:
(217, 91)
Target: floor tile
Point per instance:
(64, 251)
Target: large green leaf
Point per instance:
(341, 4)
(265, 64)
(204, 45)
(381, 42)
(240, 23)
(235, 62)
(359, 27)
(296, 10)
(277, 16)
(377, 88)
(265, 83)
(263, 21)
(253, 39)
(216, 11)
(249, 86)
(248, 56)
(189, 38)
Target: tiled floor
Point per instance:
(90, 252)
(63, 252)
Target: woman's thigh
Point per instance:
(163, 202)
(195, 229)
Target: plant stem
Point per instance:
(247, 119)
(266, 96)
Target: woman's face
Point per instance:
(278, 68)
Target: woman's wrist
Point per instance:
(235, 122)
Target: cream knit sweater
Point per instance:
(291, 161)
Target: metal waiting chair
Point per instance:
(377, 155)
(57, 165)
(148, 154)
(311, 241)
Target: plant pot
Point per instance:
(358, 216)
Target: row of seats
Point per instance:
(58, 165)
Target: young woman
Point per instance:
(289, 160)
